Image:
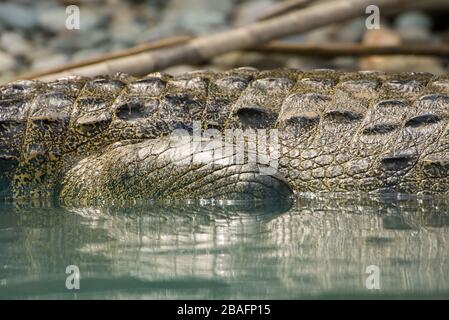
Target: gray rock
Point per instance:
(15, 43)
(346, 63)
(417, 36)
(92, 17)
(308, 63)
(49, 61)
(126, 30)
(17, 16)
(249, 11)
(74, 41)
(415, 27)
(192, 17)
(53, 19)
(7, 62)
(180, 69)
(352, 31)
(414, 20)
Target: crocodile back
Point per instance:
(334, 125)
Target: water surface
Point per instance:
(318, 247)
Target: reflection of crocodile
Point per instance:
(321, 246)
(107, 138)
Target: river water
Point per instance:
(321, 246)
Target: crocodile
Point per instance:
(111, 138)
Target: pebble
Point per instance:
(351, 31)
(7, 62)
(413, 20)
(14, 43)
(250, 11)
(346, 63)
(382, 37)
(415, 27)
(257, 60)
(126, 30)
(75, 41)
(49, 61)
(196, 17)
(396, 63)
(17, 16)
(416, 36)
(406, 64)
(180, 69)
(308, 63)
(53, 20)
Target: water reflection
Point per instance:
(319, 247)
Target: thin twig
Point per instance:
(145, 47)
(351, 49)
(202, 49)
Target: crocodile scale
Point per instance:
(362, 131)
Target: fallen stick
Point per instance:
(163, 43)
(201, 49)
(351, 49)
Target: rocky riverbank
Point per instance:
(33, 34)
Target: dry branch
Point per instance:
(204, 48)
(163, 43)
(351, 49)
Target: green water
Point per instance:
(318, 247)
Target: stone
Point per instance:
(308, 63)
(75, 41)
(346, 63)
(180, 69)
(413, 20)
(384, 37)
(17, 16)
(14, 43)
(195, 17)
(417, 36)
(351, 31)
(53, 19)
(239, 59)
(49, 61)
(126, 30)
(415, 27)
(249, 11)
(7, 62)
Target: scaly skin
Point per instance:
(101, 139)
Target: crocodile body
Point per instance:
(108, 138)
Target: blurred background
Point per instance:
(33, 35)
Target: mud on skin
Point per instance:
(107, 138)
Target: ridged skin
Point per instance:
(106, 138)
